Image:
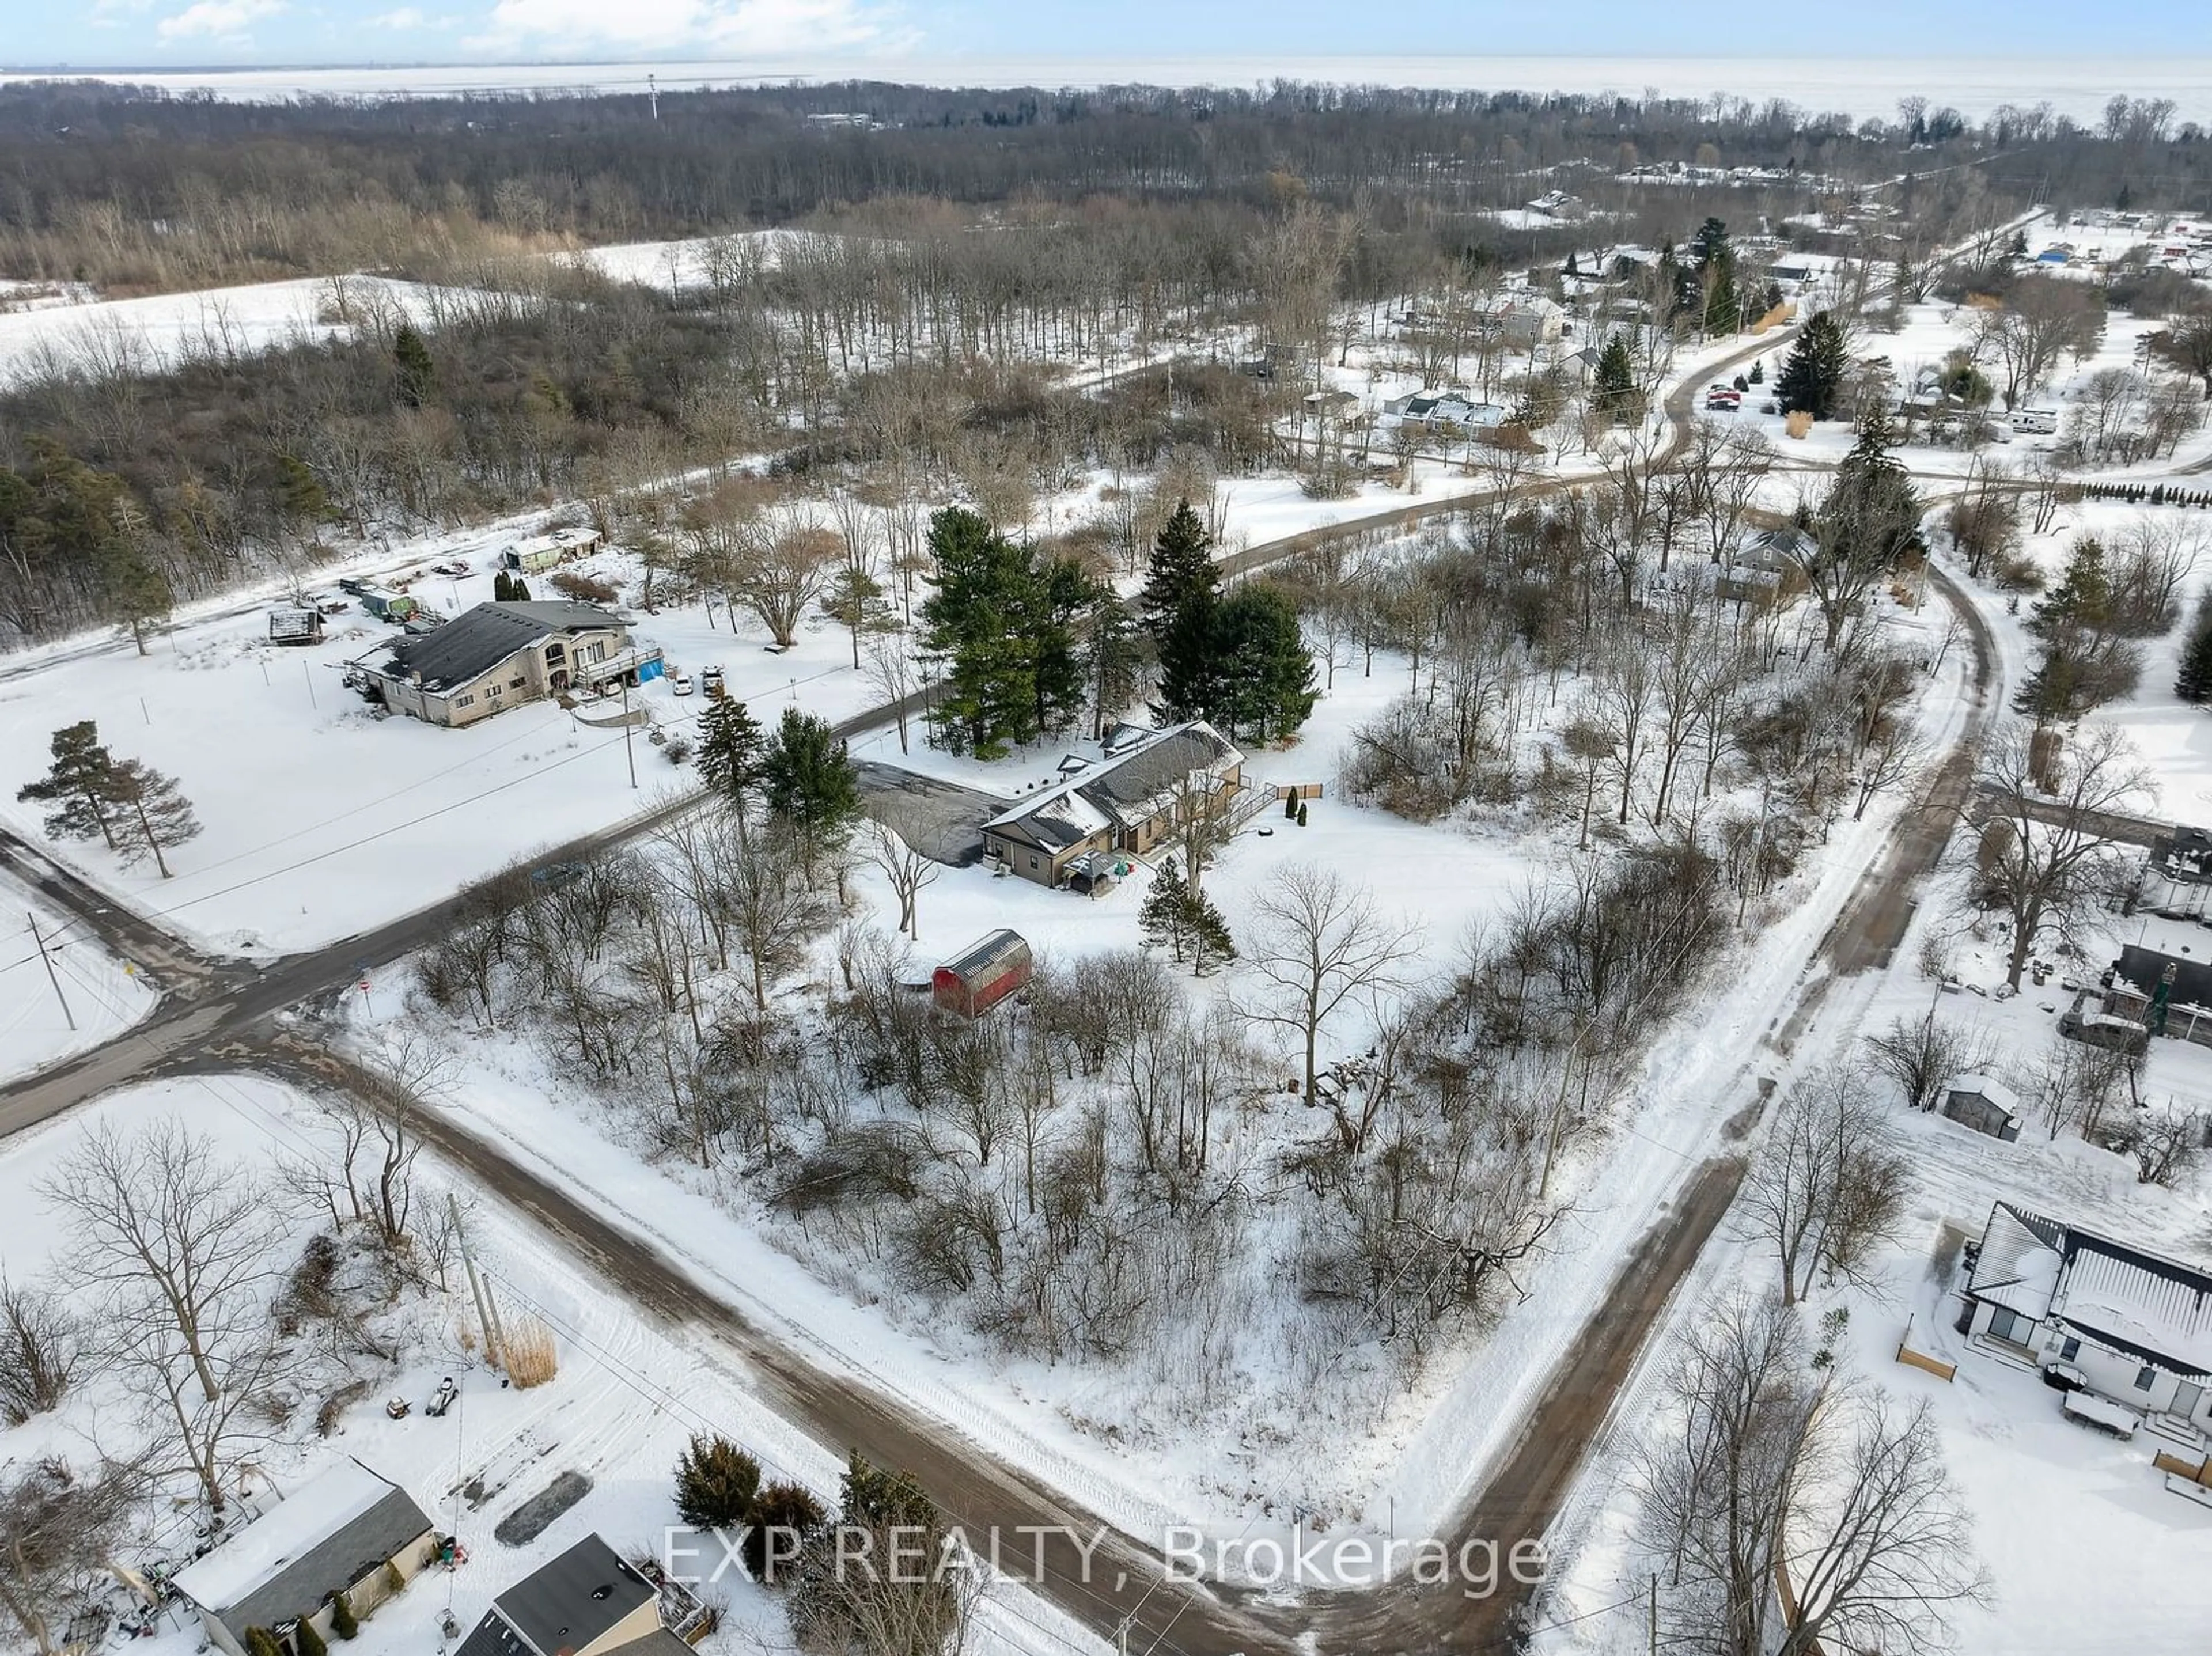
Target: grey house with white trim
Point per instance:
(2136, 1325)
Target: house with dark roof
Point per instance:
(2136, 1325)
(348, 1532)
(1128, 805)
(590, 1601)
(500, 655)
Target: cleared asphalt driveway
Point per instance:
(944, 821)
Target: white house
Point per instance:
(2137, 1325)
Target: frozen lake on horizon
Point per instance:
(1862, 87)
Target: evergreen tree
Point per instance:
(1181, 569)
(260, 1641)
(2194, 682)
(2084, 662)
(717, 1484)
(1266, 687)
(1715, 260)
(729, 741)
(1006, 629)
(301, 496)
(1211, 944)
(1758, 371)
(1164, 918)
(344, 1622)
(502, 587)
(1613, 387)
(416, 374)
(1116, 663)
(783, 1510)
(1813, 378)
(79, 784)
(808, 780)
(154, 815)
(309, 1642)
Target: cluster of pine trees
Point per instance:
(126, 802)
(1236, 659)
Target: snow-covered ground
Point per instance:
(630, 1395)
(101, 995)
(75, 333)
(320, 819)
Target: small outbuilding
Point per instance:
(347, 1532)
(296, 626)
(542, 552)
(1986, 1105)
(985, 973)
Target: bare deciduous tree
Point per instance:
(57, 1529)
(2044, 857)
(41, 1343)
(1823, 1190)
(1318, 941)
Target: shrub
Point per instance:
(343, 1620)
(584, 589)
(782, 1507)
(716, 1484)
(308, 1641)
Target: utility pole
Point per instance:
(476, 1285)
(653, 95)
(68, 1016)
(630, 749)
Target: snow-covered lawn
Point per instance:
(322, 820)
(99, 992)
(628, 1397)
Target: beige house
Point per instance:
(1129, 805)
(347, 1532)
(498, 656)
(590, 1601)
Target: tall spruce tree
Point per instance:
(1210, 945)
(808, 780)
(730, 744)
(1180, 597)
(80, 785)
(1005, 628)
(415, 374)
(1164, 918)
(1715, 255)
(1812, 380)
(1266, 686)
(2084, 661)
(1612, 385)
(2194, 682)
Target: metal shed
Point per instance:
(985, 973)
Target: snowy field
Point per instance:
(97, 991)
(322, 820)
(628, 1397)
(1862, 87)
(157, 333)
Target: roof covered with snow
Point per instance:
(319, 1540)
(2149, 1306)
(1978, 1085)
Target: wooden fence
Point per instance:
(2196, 1472)
(1921, 1360)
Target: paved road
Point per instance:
(224, 1028)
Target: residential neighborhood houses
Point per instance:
(1297, 813)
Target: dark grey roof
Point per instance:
(473, 643)
(1145, 773)
(366, 1544)
(2143, 967)
(564, 1606)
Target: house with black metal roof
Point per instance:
(348, 1531)
(589, 1602)
(500, 655)
(2136, 1325)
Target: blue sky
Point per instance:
(192, 32)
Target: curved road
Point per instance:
(215, 1015)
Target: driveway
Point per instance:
(944, 821)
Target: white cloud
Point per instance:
(734, 25)
(222, 18)
(408, 18)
